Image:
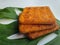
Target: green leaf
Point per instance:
(9, 29)
(56, 41)
(9, 13)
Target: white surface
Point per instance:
(6, 21)
(17, 12)
(54, 5)
(15, 36)
(49, 37)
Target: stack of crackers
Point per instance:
(37, 21)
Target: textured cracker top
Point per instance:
(37, 15)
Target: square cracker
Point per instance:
(33, 28)
(37, 15)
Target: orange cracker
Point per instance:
(37, 15)
(41, 33)
(33, 28)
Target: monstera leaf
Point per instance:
(9, 29)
